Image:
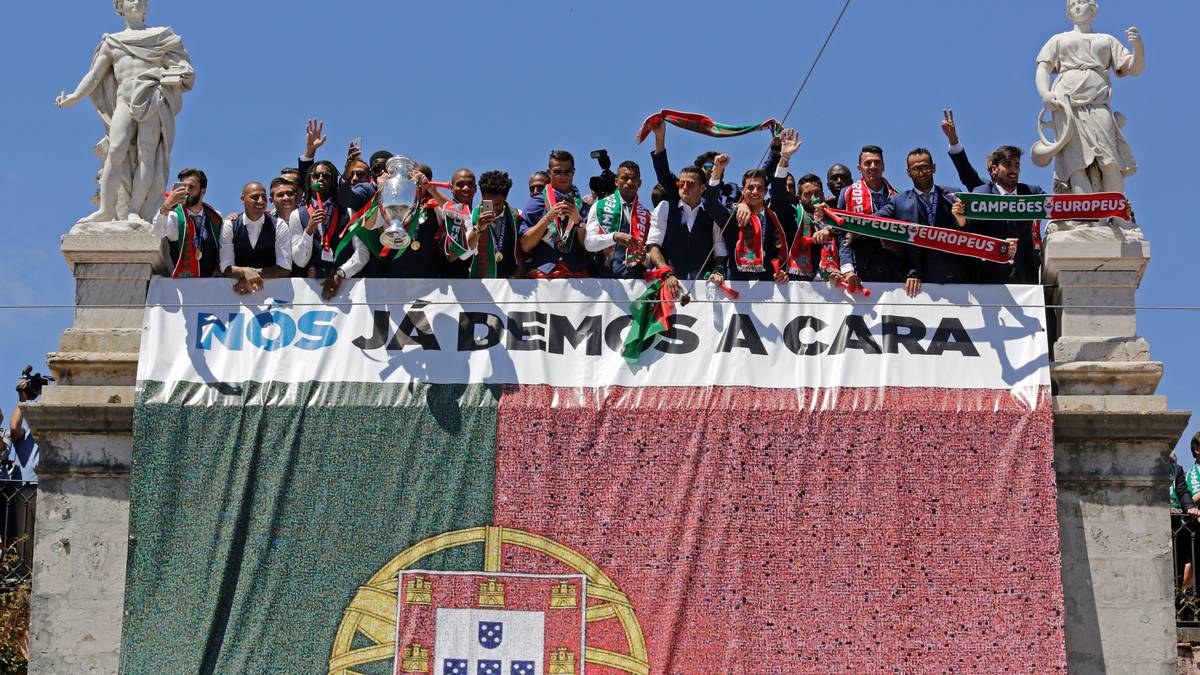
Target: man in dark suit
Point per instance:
(925, 204)
(1004, 167)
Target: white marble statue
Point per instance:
(1090, 152)
(136, 82)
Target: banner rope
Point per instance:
(782, 122)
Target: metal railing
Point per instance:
(16, 531)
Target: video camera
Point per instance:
(606, 183)
(31, 383)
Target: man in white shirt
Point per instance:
(617, 226)
(682, 235)
(255, 246)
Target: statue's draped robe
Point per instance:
(1082, 62)
(150, 98)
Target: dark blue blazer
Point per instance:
(931, 266)
(1027, 261)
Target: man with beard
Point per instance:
(195, 242)
(1004, 167)
(617, 226)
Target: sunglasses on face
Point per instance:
(562, 172)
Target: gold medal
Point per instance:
(499, 256)
(416, 245)
(199, 255)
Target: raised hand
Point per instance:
(742, 213)
(960, 212)
(314, 136)
(1133, 35)
(948, 126)
(789, 143)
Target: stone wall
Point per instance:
(1112, 437)
(84, 428)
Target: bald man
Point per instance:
(254, 246)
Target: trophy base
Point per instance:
(395, 240)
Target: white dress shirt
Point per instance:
(658, 226)
(595, 241)
(283, 241)
(168, 225)
(302, 248)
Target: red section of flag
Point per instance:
(755, 531)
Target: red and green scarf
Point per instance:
(748, 254)
(490, 252)
(703, 124)
(900, 232)
(560, 230)
(609, 217)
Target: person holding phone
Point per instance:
(195, 238)
(552, 230)
(496, 253)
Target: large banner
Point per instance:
(569, 334)
(450, 477)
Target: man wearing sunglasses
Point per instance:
(682, 233)
(552, 231)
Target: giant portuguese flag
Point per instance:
(448, 477)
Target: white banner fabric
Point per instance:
(568, 333)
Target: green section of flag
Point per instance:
(256, 516)
(648, 321)
(982, 206)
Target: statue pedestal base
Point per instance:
(1111, 438)
(84, 428)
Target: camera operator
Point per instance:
(22, 458)
(606, 183)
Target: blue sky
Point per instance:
(497, 85)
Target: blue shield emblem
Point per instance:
(522, 668)
(491, 633)
(454, 667)
(489, 667)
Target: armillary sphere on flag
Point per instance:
(530, 618)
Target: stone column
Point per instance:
(1112, 436)
(84, 428)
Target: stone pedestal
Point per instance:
(84, 428)
(1112, 436)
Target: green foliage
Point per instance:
(14, 612)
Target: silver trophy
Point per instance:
(398, 198)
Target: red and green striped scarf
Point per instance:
(703, 124)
